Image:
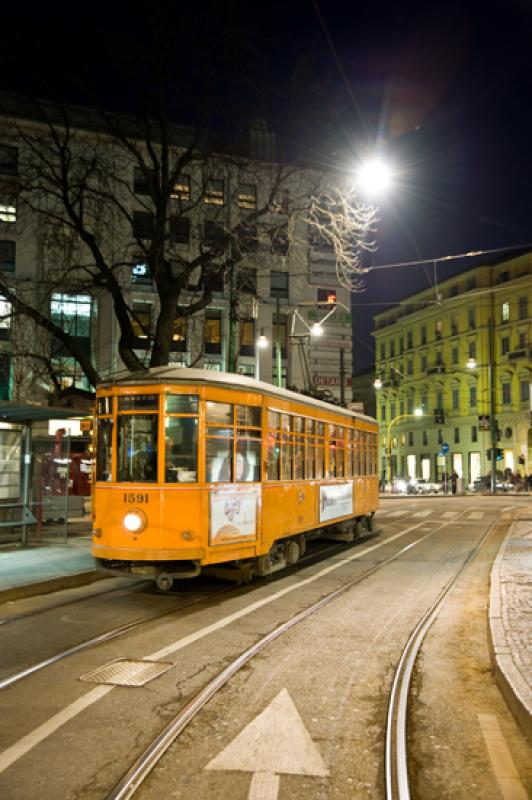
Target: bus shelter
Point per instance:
(25, 492)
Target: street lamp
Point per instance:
(472, 364)
(260, 344)
(374, 176)
(418, 412)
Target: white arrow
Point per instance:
(274, 743)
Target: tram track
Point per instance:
(396, 749)
(145, 763)
(129, 626)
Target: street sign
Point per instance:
(445, 448)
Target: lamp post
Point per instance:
(418, 412)
(472, 364)
(260, 344)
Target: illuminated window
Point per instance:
(5, 319)
(72, 313)
(326, 295)
(7, 256)
(181, 188)
(247, 337)
(214, 192)
(505, 312)
(439, 328)
(8, 208)
(213, 332)
(141, 274)
(179, 335)
(141, 323)
(247, 196)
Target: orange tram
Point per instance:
(197, 468)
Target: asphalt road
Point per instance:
(305, 718)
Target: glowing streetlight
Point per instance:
(260, 344)
(375, 177)
(316, 329)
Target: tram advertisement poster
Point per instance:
(234, 516)
(336, 501)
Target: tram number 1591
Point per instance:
(134, 497)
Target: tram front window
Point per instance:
(181, 449)
(137, 447)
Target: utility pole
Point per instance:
(492, 391)
(278, 355)
(342, 376)
(232, 358)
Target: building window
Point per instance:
(524, 390)
(393, 409)
(392, 348)
(456, 435)
(8, 208)
(279, 284)
(247, 196)
(454, 326)
(214, 192)
(213, 332)
(8, 252)
(439, 399)
(141, 274)
(327, 296)
(471, 319)
(453, 291)
(179, 335)
(409, 340)
(472, 350)
(456, 399)
(5, 377)
(72, 313)
(473, 396)
(474, 433)
(505, 345)
(503, 277)
(5, 319)
(180, 230)
(423, 334)
(523, 339)
(410, 438)
(247, 337)
(383, 411)
(523, 307)
(439, 329)
(471, 284)
(439, 359)
(455, 355)
(505, 316)
(142, 181)
(141, 323)
(424, 363)
(425, 439)
(143, 225)
(213, 235)
(410, 367)
(8, 160)
(506, 393)
(440, 436)
(181, 188)
(383, 351)
(410, 405)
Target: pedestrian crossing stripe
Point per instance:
(423, 513)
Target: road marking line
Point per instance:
(422, 513)
(35, 737)
(476, 515)
(501, 760)
(24, 745)
(450, 514)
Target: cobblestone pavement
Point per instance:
(511, 617)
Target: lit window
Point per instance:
(8, 208)
(505, 312)
(141, 274)
(141, 322)
(5, 318)
(326, 295)
(181, 188)
(247, 196)
(214, 192)
(247, 337)
(213, 332)
(179, 335)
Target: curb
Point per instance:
(508, 678)
(50, 585)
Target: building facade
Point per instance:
(278, 291)
(461, 355)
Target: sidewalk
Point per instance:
(44, 568)
(510, 617)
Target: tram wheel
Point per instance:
(370, 522)
(291, 552)
(164, 581)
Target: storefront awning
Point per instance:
(23, 413)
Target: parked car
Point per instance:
(424, 486)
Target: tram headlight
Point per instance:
(134, 521)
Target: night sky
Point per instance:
(442, 89)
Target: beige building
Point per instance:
(461, 354)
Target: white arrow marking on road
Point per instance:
(274, 743)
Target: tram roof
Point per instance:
(181, 375)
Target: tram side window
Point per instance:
(310, 449)
(104, 451)
(373, 448)
(348, 452)
(356, 453)
(298, 442)
(273, 451)
(286, 448)
(248, 444)
(340, 451)
(363, 453)
(137, 447)
(181, 438)
(320, 449)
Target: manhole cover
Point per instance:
(124, 672)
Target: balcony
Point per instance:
(437, 369)
(517, 355)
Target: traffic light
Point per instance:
(499, 454)
(488, 455)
